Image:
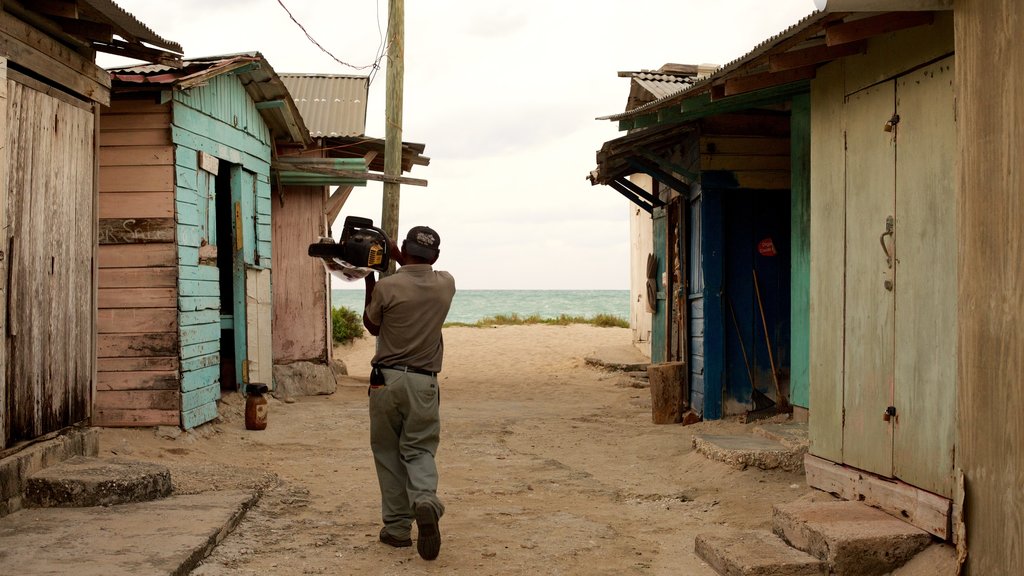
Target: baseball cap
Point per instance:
(422, 241)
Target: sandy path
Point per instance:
(547, 466)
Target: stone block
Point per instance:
(852, 538)
(81, 482)
(303, 379)
(752, 553)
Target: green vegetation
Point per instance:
(601, 320)
(346, 325)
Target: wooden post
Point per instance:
(393, 120)
(668, 397)
(4, 244)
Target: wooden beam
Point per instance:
(93, 31)
(618, 187)
(27, 47)
(743, 162)
(744, 84)
(60, 8)
(814, 55)
(744, 145)
(875, 25)
(359, 175)
(335, 203)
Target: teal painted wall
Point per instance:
(800, 230)
(221, 120)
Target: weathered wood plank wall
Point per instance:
(137, 316)
(302, 299)
(216, 122)
(990, 207)
(49, 215)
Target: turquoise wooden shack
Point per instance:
(185, 253)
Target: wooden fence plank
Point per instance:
(136, 205)
(110, 417)
(116, 364)
(166, 277)
(138, 297)
(136, 345)
(153, 380)
(137, 256)
(136, 320)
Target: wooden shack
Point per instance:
(185, 245)
(51, 92)
(315, 183)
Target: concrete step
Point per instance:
(753, 553)
(854, 539)
(743, 450)
(83, 481)
(792, 435)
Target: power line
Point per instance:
(375, 65)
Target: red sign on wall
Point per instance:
(766, 247)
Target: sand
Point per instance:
(547, 466)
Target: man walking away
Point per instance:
(405, 311)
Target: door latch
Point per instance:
(889, 413)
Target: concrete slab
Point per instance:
(83, 481)
(752, 553)
(792, 435)
(853, 538)
(627, 358)
(123, 540)
(16, 469)
(743, 450)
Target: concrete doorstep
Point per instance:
(854, 539)
(746, 450)
(753, 553)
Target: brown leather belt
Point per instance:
(409, 369)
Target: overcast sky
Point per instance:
(504, 95)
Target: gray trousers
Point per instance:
(405, 429)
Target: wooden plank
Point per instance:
(668, 397)
(137, 205)
(205, 395)
(136, 345)
(800, 251)
(190, 366)
(869, 330)
(151, 380)
(154, 137)
(199, 415)
(203, 349)
(864, 28)
(920, 508)
(138, 297)
(892, 55)
(129, 104)
(738, 162)
(828, 237)
(754, 82)
(136, 320)
(201, 377)
(29, 47)
(4, 245)
(199, 333)
(199, 317)
(926, 250)
(166, 277)
(135, 155)
(203, 273)
(772, 126)
(137, 364)
(194, 303)
(744, 145)
(990, 256)
(137, 256)
(814, 55)
(159, 120)
(138, 399)
(109, 417)
(137, 179)
(136, 230)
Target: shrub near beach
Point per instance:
(346, 325)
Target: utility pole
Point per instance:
(393, 121)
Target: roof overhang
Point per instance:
(350, 161)
(773, 72)
(91, 26)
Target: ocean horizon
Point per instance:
(471, 306)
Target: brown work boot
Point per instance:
(394, 541)
(428, 541)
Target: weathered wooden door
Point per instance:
(900, 327)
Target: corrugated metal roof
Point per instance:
(130, 25)
(332, 105)
(255, 73)
(705, 83)
(661, 85)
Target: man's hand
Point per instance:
(395, 252)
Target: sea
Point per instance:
(470, 306)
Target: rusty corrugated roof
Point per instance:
(127, 24)
(332, 105)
